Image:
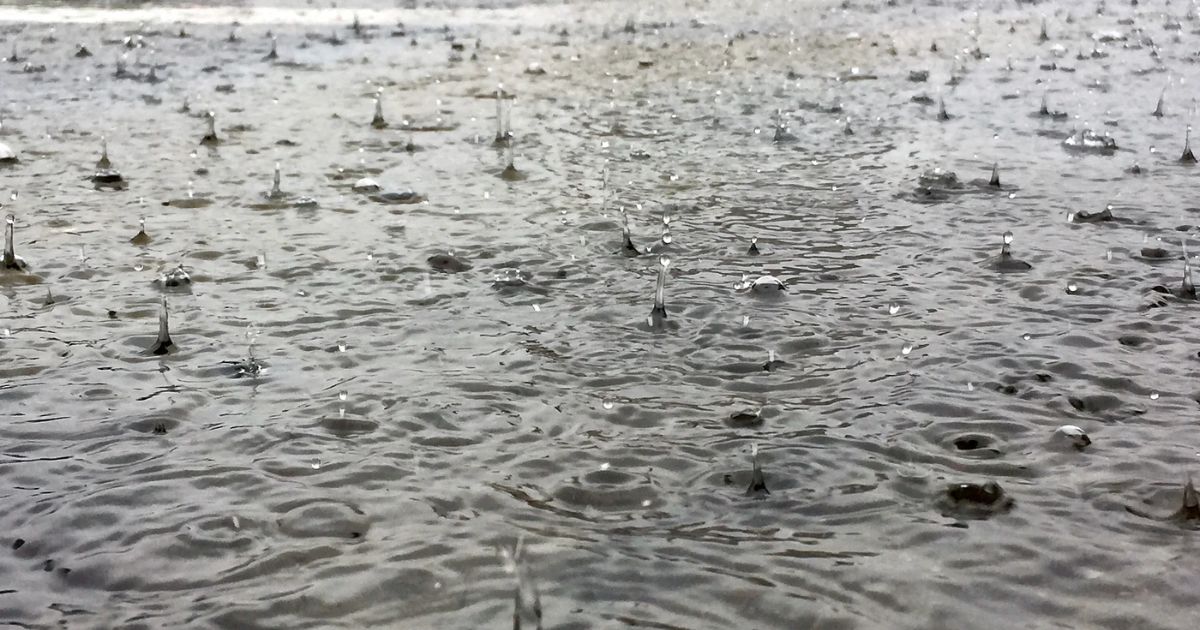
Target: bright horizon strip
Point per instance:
(544, 15)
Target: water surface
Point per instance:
(526, 395)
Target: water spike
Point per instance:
(627, 246)
(11, 260)
(274, 54)
(1005, 250)
(659, 313)
(943, 115)
(162, 344)
(994, 182)
(527, 598)
(103, 162)
(758, 481)
(1187, 288)
(1044, 36)
(378, 121)
(210, 137)
(187, 105)
(1190, 510)
(508, 120)
(1044, 110)
(499, 116)
(503, 135)
(141, 238)
(275, 191)
(1188, 157)
(1158, 109)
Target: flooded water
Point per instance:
(816, 386)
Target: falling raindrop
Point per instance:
(607, 403)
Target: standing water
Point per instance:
(914, 472)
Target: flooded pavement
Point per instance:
(854, 315)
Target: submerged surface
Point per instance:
(416, 411)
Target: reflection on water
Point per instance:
(705, 303)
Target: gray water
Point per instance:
(527, 397)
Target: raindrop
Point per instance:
(893, 308)
(907, 349)
(1153, 395)
(607, 404)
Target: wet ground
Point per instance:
(371, 395)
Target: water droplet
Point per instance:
(537, 309)
(1008, 238)
(1072, 287)
(907, 349)
(1153, 395)
(970, 386)
(664, 260)
(341, 346)
(745, 320)
(893, 308)
(605, 466)
(1108, 254)
(343, 395)
(607, 404)
(316, 464)
(7, 333)
(1026, 337)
